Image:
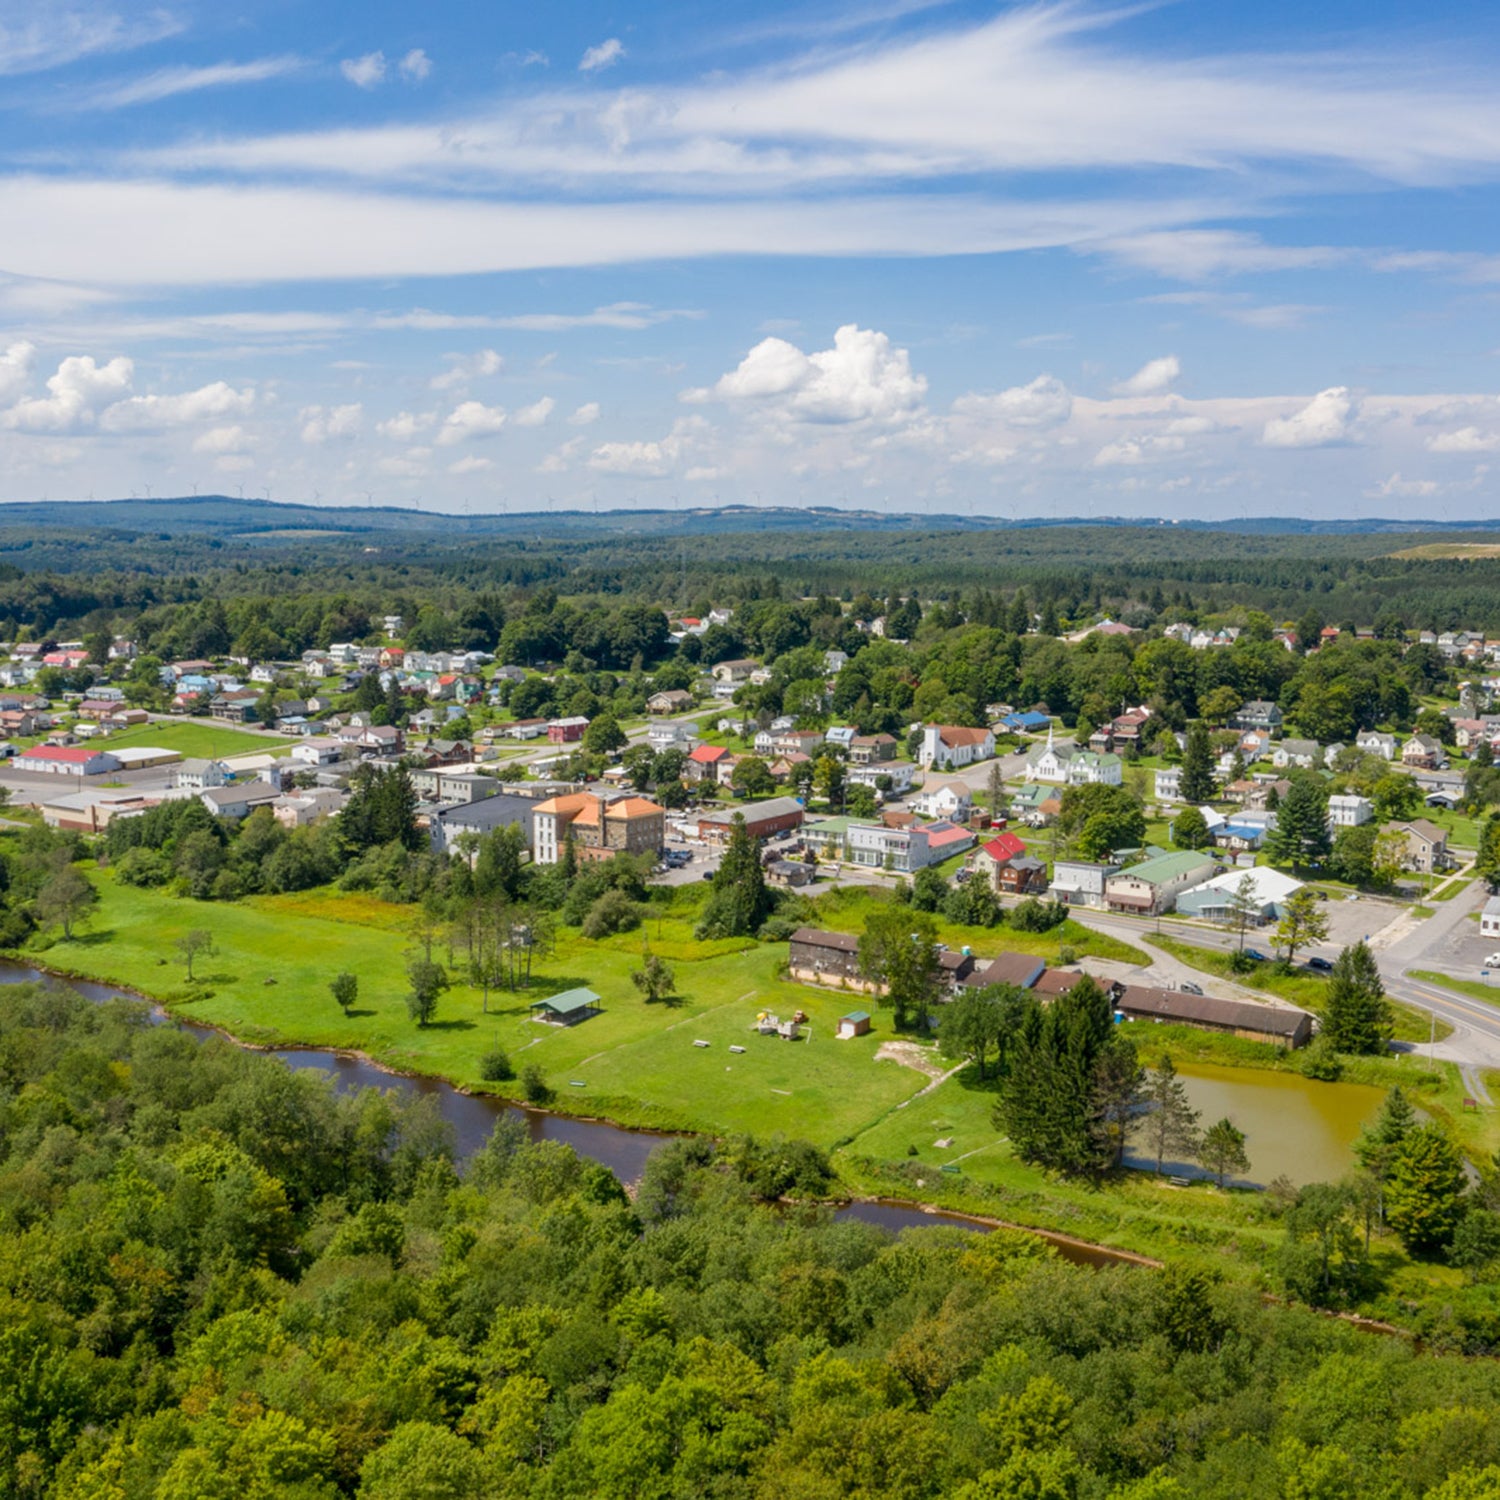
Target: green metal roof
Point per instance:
(570, 1002)
(856, 1015)
(1166, 867)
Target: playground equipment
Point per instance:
(768, 1024)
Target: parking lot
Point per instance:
(1463, 951)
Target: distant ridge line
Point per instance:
(230, 515)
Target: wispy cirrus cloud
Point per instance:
(36, 38)
(166, 83)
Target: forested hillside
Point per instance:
(67, 568)
(221, 1279)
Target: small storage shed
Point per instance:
(856, 1023)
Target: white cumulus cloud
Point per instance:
(1044, 402)
(416, 66)
(648, 460)
(535, 414)
(602, 56)
(1137, 450)
(364, 72)
(471, 419)
(79, 389)
(471, 464)
(1154, 378)
(586, 414)
(156, 413)
(1464, 440)
(405, 425)
(15, 369)
(328, 424)
(225, 440)
(1324, 422)
(862, 378)
(466, 368)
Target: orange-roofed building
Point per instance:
(599, 827)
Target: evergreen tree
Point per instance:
(1381, 1140)
(1301, 835)
(1356, 1014)
(1018, 619)
(1198, 764)
(1171, 1127)
(1049, 624)
(1222, 1150)
(740, 900)
(1425, 1192)
(1060, 1103)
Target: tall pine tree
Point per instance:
(1301, 835)
(1198, 765)
(1356, 1014)
(740, 901)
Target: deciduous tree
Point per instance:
(1303, 923)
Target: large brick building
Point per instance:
(598, 826)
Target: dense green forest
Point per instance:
(51, 576)
(222, 1279)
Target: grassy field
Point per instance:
(1300, 988)
(638, 1063)
(268, 984)
(197, 740)
(845, 910)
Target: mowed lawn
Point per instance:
(268, 984)
(196, 740)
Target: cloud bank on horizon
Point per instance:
(1048, 258)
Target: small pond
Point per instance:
(1294, 1127)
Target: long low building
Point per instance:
(1282, 1025)
(763, 820)
(67, 760)
(832, 958)
(1215, 900)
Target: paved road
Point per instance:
(1404, 944)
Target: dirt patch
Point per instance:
(909, 1055)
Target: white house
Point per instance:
(1372, 742)
(1067, 765)
(1304, 754)
(944, 799)
(1346, 810)
(1169, 784)
(1079, 882)
(898, 772)
(946, 746)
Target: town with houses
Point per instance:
(826, 803)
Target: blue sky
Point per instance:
(1193, 259)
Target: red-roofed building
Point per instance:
(67, 760)
(709, 763)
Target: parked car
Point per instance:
(1322, 965)
(1189, 988)
(1257, 956)
(1493, 961)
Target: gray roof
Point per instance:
(485, 813)
(755, 812)
(1209, 1010)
